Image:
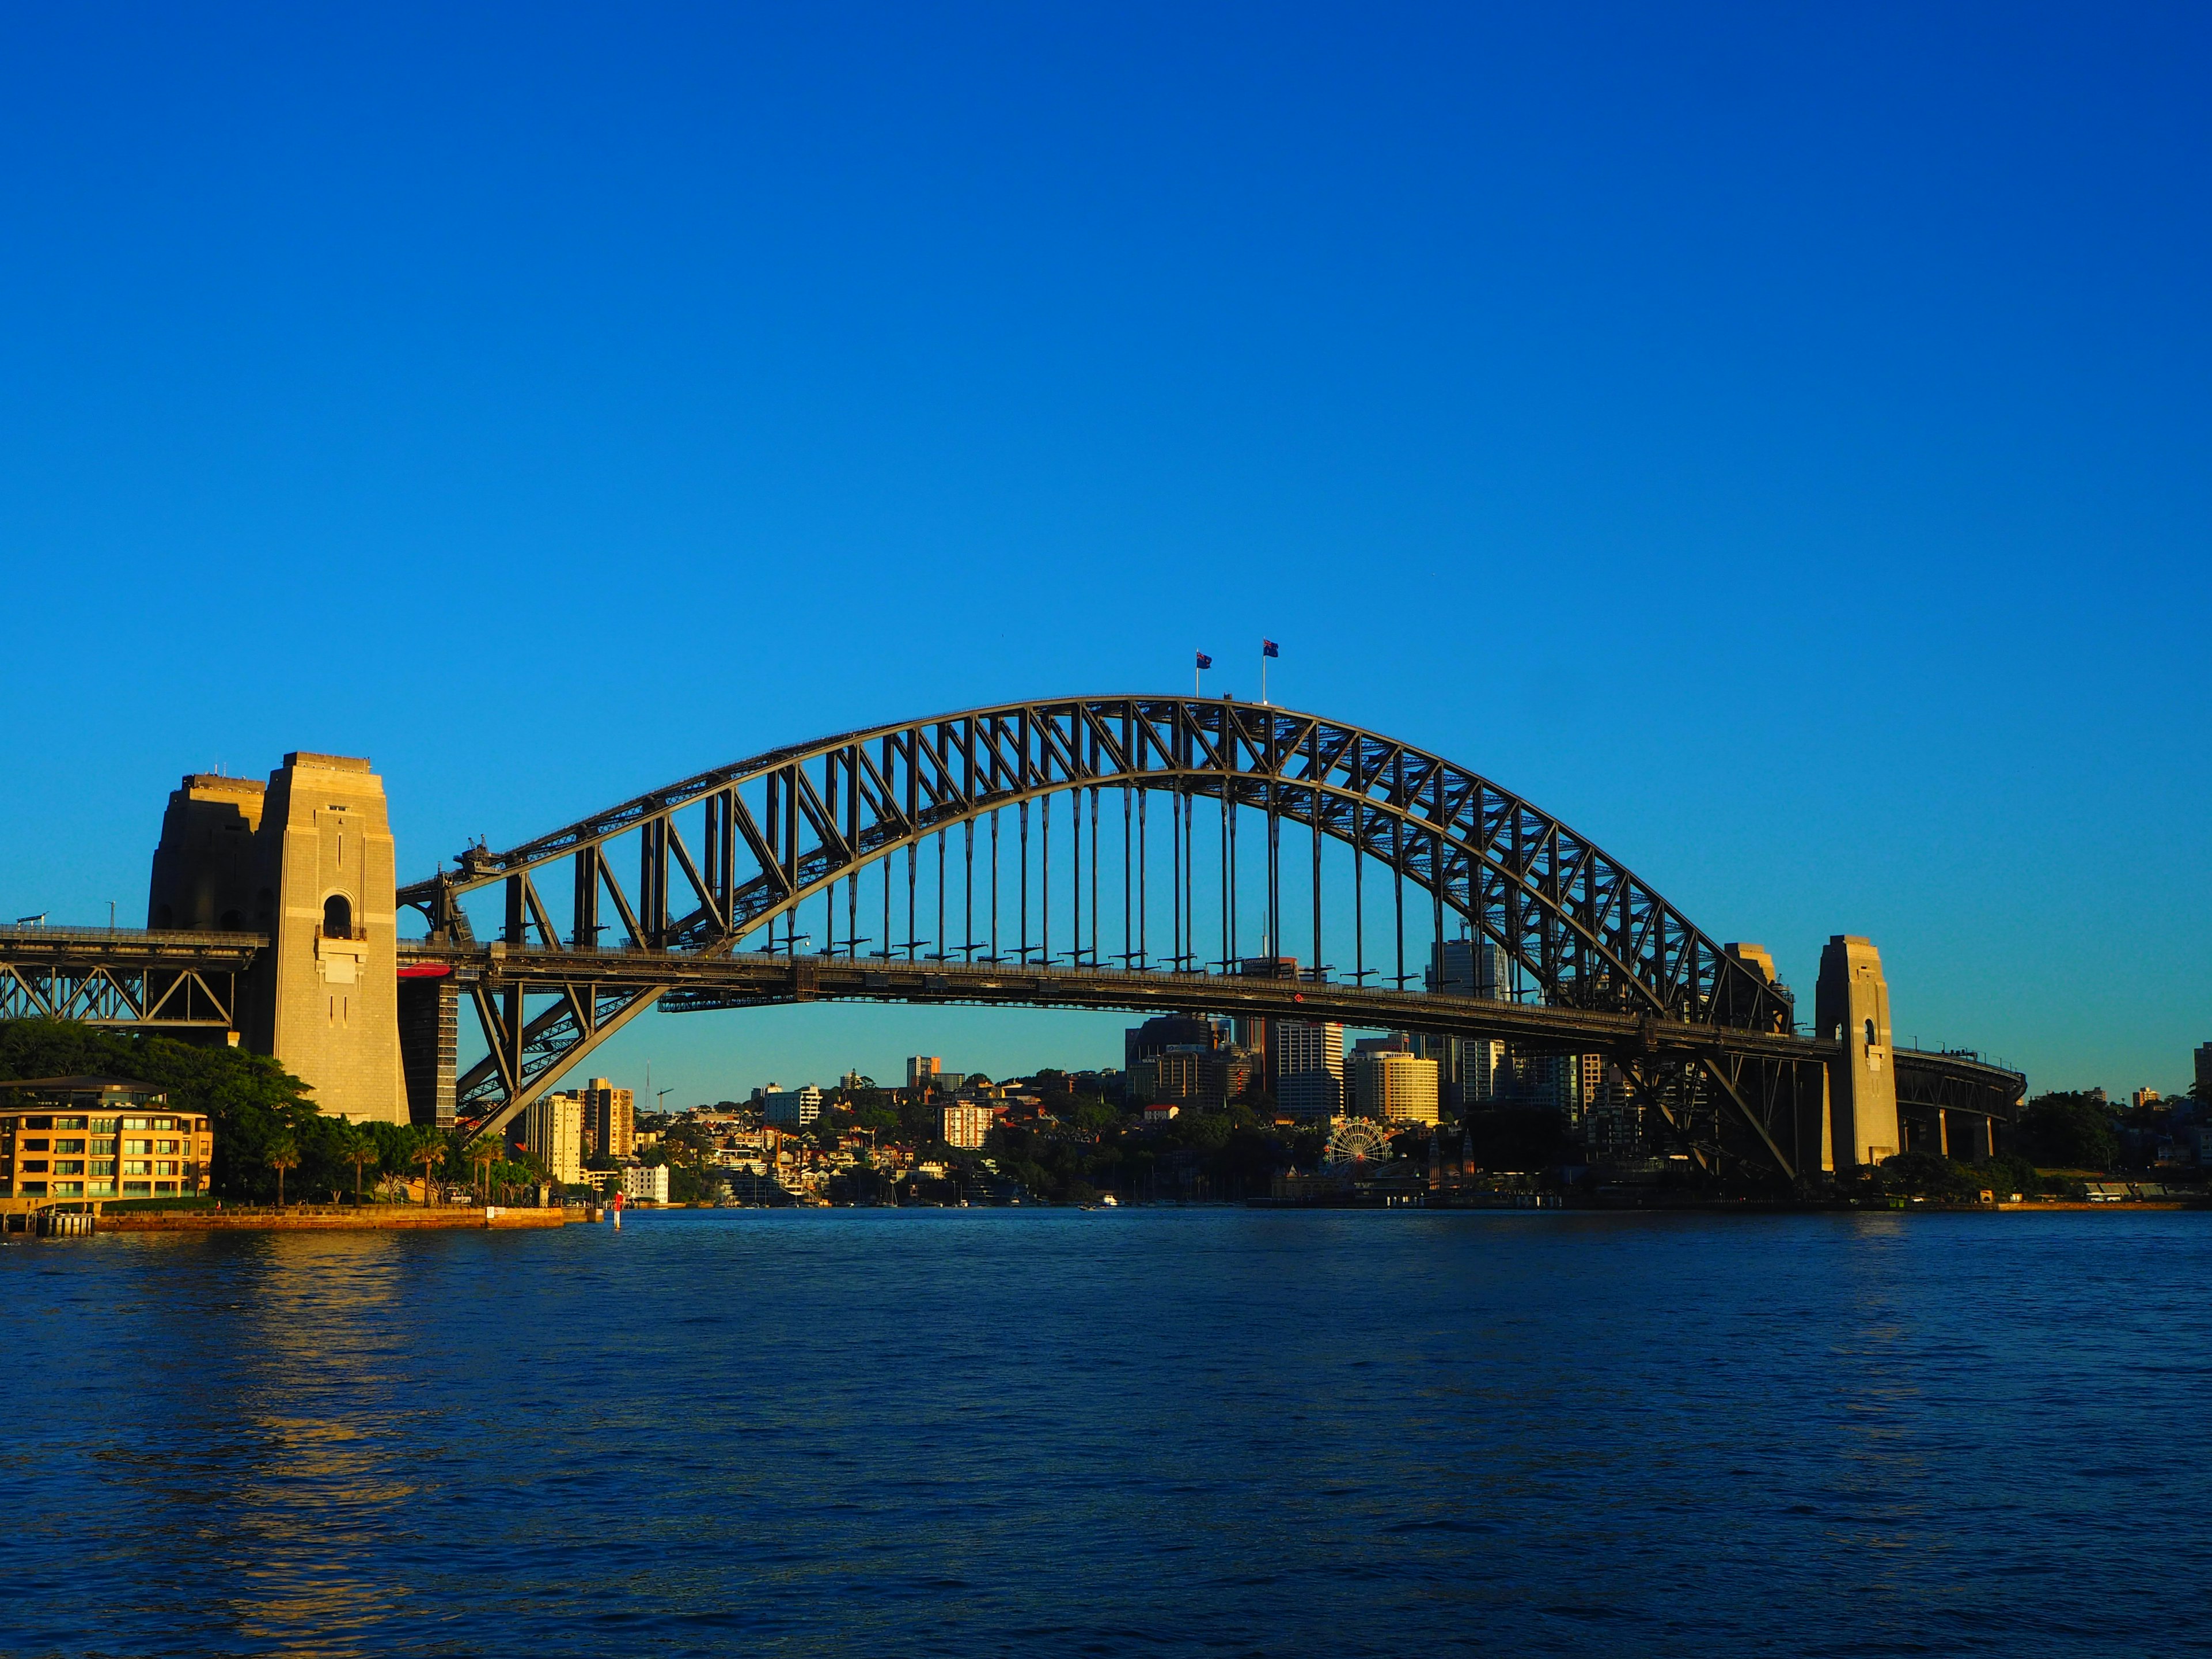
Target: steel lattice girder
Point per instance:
(118, 993)
(1581, 924)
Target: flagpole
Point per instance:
(1263, 676)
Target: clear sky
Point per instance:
(1772, 439)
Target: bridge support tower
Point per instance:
(308, 861)
(1852, 1003)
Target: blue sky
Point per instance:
(1775, 442)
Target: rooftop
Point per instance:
(82, 1085)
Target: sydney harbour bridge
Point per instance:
(1151, 853)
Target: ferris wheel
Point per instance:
(1355, 1141)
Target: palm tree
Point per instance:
(284, 1154)
(428, 1149)
(353, 1145)
(484, 1155)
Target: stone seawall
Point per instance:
(378, 1217)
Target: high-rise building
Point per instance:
(1397, 1087)
(921, 1070)
(553, 1133)
(609, 1120)
(2205, 1072)
(1258, 1034)
(1470, 968)
(1486, 1074)
(964, 1123)
(792, 1108)
(1309, 1066)
(1468, 1067)
(1557, 1081)
(1167, 1031)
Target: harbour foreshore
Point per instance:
(366, 1217)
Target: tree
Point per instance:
(2070, 1131)
(359, 1148)
(484, 1155)
(282, 1154)
(1929, 1175)
(249, 1099)
(428, 1149)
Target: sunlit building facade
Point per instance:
(100, 1138)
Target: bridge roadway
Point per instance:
(690, 980)
(146, 980)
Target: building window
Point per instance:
(1870, 1031)
(137, 1186)
(69, 1166)
(337, 916)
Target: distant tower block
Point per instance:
(1852, 1002)
(325, 1002)
(206, 870)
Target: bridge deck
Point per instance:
(693, 981)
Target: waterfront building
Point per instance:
(2204, 1072)
(609, 1120)
(792, 1108)
(99, 1136)
(964, 1123)
(647, 1181)
(553, 1133)
(1394, 1085)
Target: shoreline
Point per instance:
(368, 1218)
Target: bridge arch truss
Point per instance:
(858, 845)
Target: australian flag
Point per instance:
(1205, 661)
(1269, 648)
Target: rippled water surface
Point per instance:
(980, 1432)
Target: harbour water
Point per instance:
(1062, 1432)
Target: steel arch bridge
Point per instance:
(856, 836)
